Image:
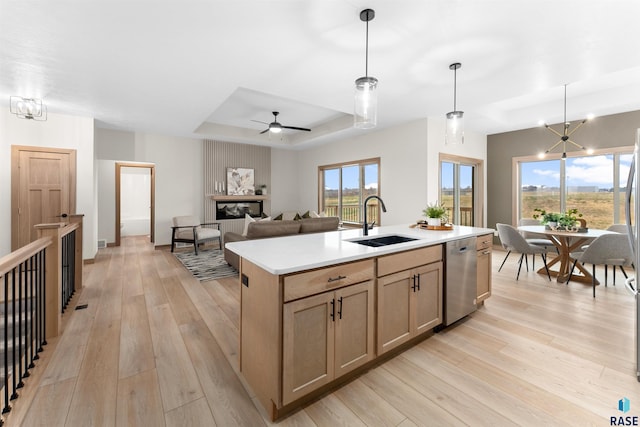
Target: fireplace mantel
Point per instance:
(225, 198)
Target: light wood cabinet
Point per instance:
(409, 301)
(325, 336)
(484, 250)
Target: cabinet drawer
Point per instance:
(315, 281)
(484, 242)
(409, 259)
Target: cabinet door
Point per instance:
(308, 345)
(354, 327)
(427, 297)
(484, 275)
(394, 318)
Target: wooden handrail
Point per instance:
(9, 262)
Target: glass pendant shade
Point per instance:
(455, 128)
(365, 114)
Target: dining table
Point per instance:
(566, 242)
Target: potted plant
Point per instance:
(547, 218)
(434, 213)
(569, 219)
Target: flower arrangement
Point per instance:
(566, 220)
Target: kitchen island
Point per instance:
(317, 309)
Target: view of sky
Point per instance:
(580, 171)
(351, 177)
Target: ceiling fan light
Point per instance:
(275, 128)
(366, 103)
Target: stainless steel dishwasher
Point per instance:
(460, 279)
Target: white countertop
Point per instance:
(289, 254)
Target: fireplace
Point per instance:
(236, 209)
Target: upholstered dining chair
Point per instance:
(513, 241)
(187, 229)
(616, 228)
(535, 239)
(608, 249)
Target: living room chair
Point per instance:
(187, 229)
(513, 241)
(609, 249)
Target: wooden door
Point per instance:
(308, 345)
(43, 190)
(394, 317)
(427, 298)
(354, 327)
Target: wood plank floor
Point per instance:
(156, 347)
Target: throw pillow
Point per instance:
(278, 218)
(248, 220)
(288, 215)
(307, 214)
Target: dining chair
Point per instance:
(535, 239)
(608, 249)
(616, 228)
(513, 241)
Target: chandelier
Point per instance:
(566, 134)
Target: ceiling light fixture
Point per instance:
(366, 96)
(564, 136)
(28, 108)
(455, 122)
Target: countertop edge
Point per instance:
(255, 250)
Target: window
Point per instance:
(594, 185)
(460, 192)
(345, 186)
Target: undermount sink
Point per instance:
(383, 240)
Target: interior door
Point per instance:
(42, 190)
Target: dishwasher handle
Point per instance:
(463, 249)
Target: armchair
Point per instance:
(187, 229)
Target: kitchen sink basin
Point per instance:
(383, 240)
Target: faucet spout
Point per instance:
(365, 225)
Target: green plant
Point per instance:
(546, 217)
(434, 210)
(569, 218)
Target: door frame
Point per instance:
(478, 164)
(15, 184)
(152, 225)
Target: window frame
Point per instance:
(616, 152)
(361, 165)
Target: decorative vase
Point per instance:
(552, 224)
(434, 222)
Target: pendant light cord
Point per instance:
(366, 55)
(455, 85)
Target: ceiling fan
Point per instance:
(276, 127)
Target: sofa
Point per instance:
(266, 229)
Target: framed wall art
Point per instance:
(240, 182)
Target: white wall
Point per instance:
(403, 168)
(59, 131)
(178, 166)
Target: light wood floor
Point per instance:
(156, 347)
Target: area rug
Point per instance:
(207, 265)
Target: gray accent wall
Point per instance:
(617, 130)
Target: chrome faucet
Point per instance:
(365, 226)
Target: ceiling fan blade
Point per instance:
(297, 128)
(258, 121)
(266, 130)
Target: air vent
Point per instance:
(102, 243)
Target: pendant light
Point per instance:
(366, 94)
(564, 136)
(455, 122)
